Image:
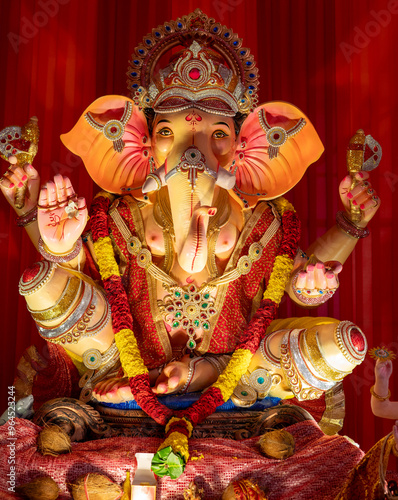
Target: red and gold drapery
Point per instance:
(334, 60)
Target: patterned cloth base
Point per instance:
(317, 470)
(181, 402)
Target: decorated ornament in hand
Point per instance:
(18, 146)
(381, 353)
(363, 153)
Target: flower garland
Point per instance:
(179, 428)
(130, 356)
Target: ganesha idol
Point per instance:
(173, 284)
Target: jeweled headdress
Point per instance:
(193, 61)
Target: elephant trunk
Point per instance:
(191, 184)
(193, 255)
(190, 212)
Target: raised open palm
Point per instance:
(62, 216)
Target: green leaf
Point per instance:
(163, 454)
(168, 463)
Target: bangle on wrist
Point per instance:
(27, 218)
(349, 227)
(380, 398)
(60, 258)
(212, 360)
(191, 373)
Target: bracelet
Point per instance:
(191, 373)
(27, 218)
(380, 398)
(349, 227)
(62, 257)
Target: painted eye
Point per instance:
(219, 134)
(165, 132)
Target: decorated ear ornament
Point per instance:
(277, 136)
(381, 353)
(113, 130)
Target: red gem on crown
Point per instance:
(194, 74)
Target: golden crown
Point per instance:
(193, 61)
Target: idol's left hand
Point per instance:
(363, 196)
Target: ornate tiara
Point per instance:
(211, 71)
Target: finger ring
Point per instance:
(376, 200)
(45, 207)
(366, 184)
(370, 191)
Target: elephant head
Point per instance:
(193, 148)
(192, 153)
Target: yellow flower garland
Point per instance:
(130, 356)
(106, 260)
(230, 377)
(125, 340)
(277, 282)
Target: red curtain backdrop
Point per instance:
(334, 60)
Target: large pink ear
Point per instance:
(116, 164)
(276, 145)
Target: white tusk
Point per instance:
(154, 181)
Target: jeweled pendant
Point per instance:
(118, 145)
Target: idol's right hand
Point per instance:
(19, 180)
